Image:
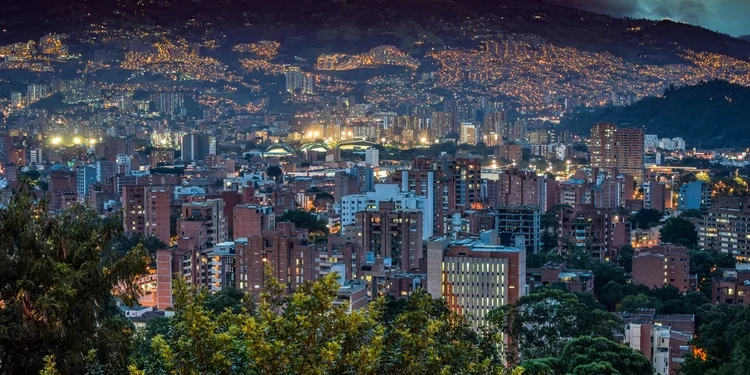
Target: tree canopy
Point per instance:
(57, 272)
(681, 231)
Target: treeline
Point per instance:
(715, 114)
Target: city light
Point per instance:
(56, 141)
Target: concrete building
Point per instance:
(613, 148)
(656, 196)
(475, 276)
(195, 147)
(352, 204)
(732, 286)
(512, 222)
(694, 195)
(372, 157)
(599, 232)
(161, 157)
(663, 265)
(725, 226)
(85, 177)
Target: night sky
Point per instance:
(726, 16)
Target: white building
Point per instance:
(372, 157)
(650, 141)
(351, 204)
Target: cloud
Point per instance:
(728, 16)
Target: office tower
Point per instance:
(513, 223)
(694, 195)
(203, 221)
(372, 157)
(195, 147)
(250, 220)
(298, 80)
(659, 266)
(517, 188)
(392, 233)
(85, 177)
(146, 211)
(475, 276)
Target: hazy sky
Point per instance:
(726, 16)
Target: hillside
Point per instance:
(358, 25)
(712, 115)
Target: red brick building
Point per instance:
(666, 264)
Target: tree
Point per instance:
(585, 354)
(275, 172)
(611, 295)
(681, 231)
(540, 324)
(57, 274)
(625, 258)
(307, 333)
(633, 303)
(646, 218)
(305, 220)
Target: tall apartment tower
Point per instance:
(392, 233)
(146, 211)
(195, 147)
(602, 145)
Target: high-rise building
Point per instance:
(513, 223)
(36, 92)
(663, 265)
(599, 232)
(16, 99)
(123, 164)
(372, 157)
(475, 276)
(694, 195)
(85, 177)
(469, 133)
(724, 228)
(602, 146)
(392, 233)
(390, 193)
(251, 220)
(620, 149)
(161, 157)
(298, 80)
(195, 147)
(146, 211)
(442, 124)
(168, 102)
(517, 188)
(203, 221)
(656, 196)
(629, 151)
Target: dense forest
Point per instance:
(711, 115)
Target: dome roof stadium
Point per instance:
(279, 149)
(355, 144)
(317, 146)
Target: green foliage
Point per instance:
(57, 273)
(646, 218)
(540, 324)
(305, 220)
(682, 113)
(232, 299)
(680, 231)
(274, 172)
(641, 301)
(724, 336)
(625, 258)
(588, 351)
(308, 333)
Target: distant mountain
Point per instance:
(745, 37)
(711, 115)
(357, 25)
